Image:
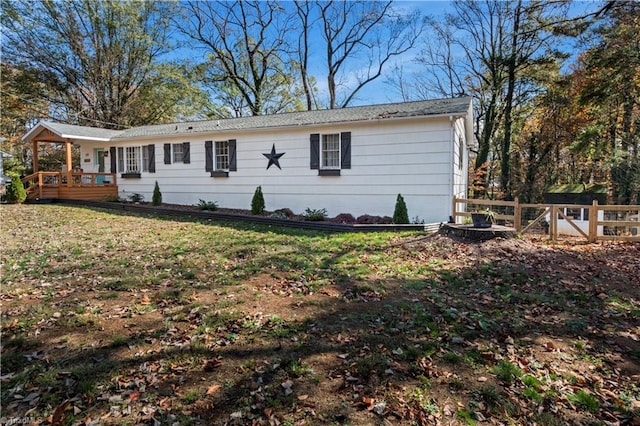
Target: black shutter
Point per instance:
(167, 153)
(151, 150)
(186, 153)
(114, 160)
(233, 167)
(345, 149)
(208, 156)
(315, 151)
(121, 160)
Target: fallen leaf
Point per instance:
(213, 389)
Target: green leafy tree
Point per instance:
(400, 214)
(156, 199)
(257, 202)
(99, 60)
(15, 192)
(611, 95)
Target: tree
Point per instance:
(400, 214)
(507, 52)
(362, 30)
(611, 93)
(99, 59)
(245, 44)
(257, 202)
(15, 192)
(156, 199)
(303, 10)
(22, 104)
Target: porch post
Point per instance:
(69, 159)
(35, 156)
(69, 162)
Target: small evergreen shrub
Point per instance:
(156, 199)
(257, 202)
(15, 192)
(400, 214)
(315, 214)
(208, 205)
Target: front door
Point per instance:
(99, 159)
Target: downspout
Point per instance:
(451, 163)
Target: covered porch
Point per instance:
(71, 183)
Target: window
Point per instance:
(132, 159)
(330, 153)
(222, 155)
(573, 213)
(460, 153)
(145, 158)
(177, 153)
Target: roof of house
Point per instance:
(577, 188)
(437, 107)
(70, 131)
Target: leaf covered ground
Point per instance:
(122, 319)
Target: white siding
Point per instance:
(411, 157)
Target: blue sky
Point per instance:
(378, 91)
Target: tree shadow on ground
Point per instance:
(403, 348)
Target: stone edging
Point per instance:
(315, 225)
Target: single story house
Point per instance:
(353, 160)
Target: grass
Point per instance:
(196, 321)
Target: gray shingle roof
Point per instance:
(81, 132)
(456, 106)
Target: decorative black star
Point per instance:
(273, 157)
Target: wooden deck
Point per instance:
(70, 186)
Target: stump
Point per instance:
(469, 232)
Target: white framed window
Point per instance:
(330, 151)
(145, 158)
(178, 152)
(132, 159)
(221, 156)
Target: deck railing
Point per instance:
(68, 184)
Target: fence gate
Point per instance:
(591, 222)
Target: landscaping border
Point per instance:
(215, 215)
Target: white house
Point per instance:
(352, 160)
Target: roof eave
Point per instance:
(296, 126)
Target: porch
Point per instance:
(71, 182)
(70, 186)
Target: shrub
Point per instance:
(156, 199)
(136, 198)
(286, 212)
(400, 214)
(344, 218)
(15, 190)
(257, 202)
(208, 205)
(113, 199)
(315, 214)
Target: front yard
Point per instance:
(122, 319)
